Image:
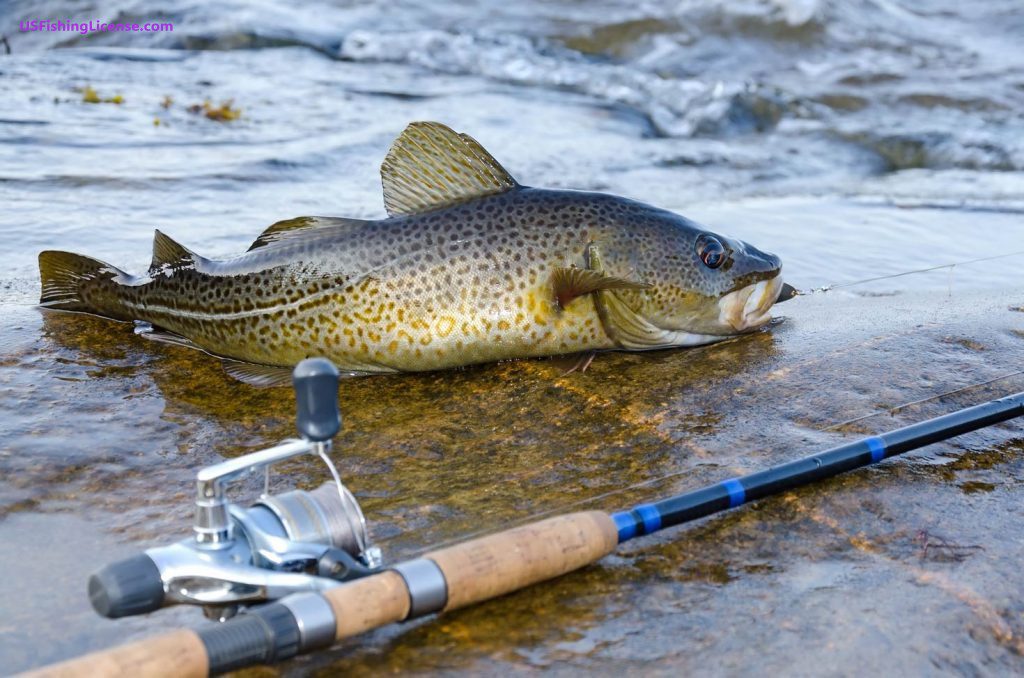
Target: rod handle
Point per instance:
(474, 571)
(178, 653)
(491, 566)
(368, 603)
(480, 569)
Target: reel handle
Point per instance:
(316, 399)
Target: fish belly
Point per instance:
(450, 312)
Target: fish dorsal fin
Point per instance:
(169, 254)
(289, 228)
(432, 166)
(570, 283)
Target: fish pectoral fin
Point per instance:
(167, 253)
(631, 331)
(580, 362)
(430, 166)
(626, 327)
(570, 283)
(304, 226)
(262, 376)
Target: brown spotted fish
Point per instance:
(469, 267)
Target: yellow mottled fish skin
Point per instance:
(470, 267)
(456, 286)
(466, 284)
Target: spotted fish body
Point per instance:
(470, 268)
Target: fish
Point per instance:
(468, 267)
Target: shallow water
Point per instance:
(856, 140)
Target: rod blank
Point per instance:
(648, 518)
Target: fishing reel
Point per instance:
(285, 543)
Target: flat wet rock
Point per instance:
(823, 576)
(854, 141)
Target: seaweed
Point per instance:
(91, 96)
(223, 113)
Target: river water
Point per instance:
(855, 139)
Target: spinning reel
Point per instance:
(286, 543)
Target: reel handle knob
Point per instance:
(316, 398)
(127, 587)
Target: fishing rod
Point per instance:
(303, 562)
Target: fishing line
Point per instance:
(833, 286)
(675, 474)
(896, 409)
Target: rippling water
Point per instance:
(855, 139)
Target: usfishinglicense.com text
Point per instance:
(86, 27)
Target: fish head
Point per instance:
(746, 282)
(705, 284)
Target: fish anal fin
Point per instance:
(430, 166)
(167, 253)
(299, 226)
(261, 376)
(571, 282)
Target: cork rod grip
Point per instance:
(368, 603)
(480, 569)
(178, 653)
(492, 566)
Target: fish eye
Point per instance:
(710, 251)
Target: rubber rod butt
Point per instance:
(264, 635)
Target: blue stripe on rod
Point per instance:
(877, 447)
(705, 501)
(626, 525)
(651, 517)
(737, 495)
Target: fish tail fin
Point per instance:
(72, 282)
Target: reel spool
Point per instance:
(286, 543)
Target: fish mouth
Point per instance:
(749, 308)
